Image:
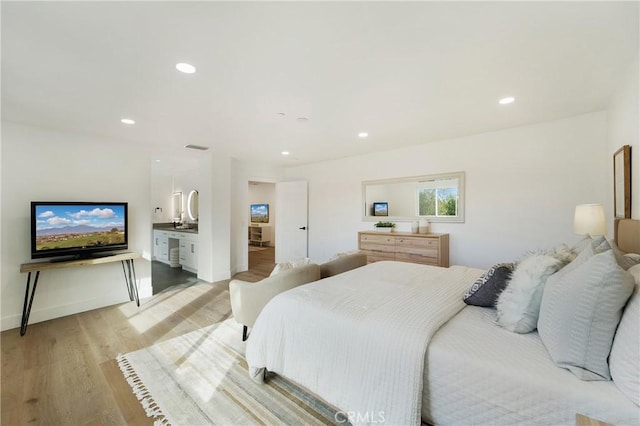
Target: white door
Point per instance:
(291, 220)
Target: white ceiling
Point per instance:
(407, 73)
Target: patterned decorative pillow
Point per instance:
(486, 289)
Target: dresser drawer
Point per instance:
(415, 242)
(377, 239)
(377, 243)
(418, 258)
(378, 256)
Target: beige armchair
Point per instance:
(248, 299)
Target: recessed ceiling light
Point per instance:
(185, 68)
(127, 121)
(363, 134)
(507, 100)
(285, 152)
(282, 114)
(302, 119)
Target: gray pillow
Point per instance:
(580, 312)
(486, 289)
(625, 350)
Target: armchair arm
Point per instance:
(248, 299)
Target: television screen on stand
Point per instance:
(78, 229)
(259, 213)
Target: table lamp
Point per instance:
(589, 220)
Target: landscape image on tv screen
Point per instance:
(260, 213)
(69, 226)
(381, 209)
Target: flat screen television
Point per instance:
(381, 209)
(259, 213)
(77, 229)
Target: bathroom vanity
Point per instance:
(166, 238)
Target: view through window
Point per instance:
(438, 198)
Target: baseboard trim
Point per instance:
(36, 316)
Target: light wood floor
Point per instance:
(63, 371)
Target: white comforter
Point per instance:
(358, 339)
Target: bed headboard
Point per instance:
(627, 235)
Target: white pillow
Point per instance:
(519, 304)
(582, 244)
(625, 261)
(633, 256)
(635, 271)
(579, 314)
(289, 265)
(625, 351)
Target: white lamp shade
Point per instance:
(589, 220)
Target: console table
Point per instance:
(127, 267)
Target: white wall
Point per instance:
(214, 198)
(161, 190)
(264, 193)
(624, 129)
(522, 186)
(47, 165)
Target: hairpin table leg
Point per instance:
(131, 280)
(28, 301)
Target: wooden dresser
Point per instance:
(428, 249)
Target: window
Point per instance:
(438, 198)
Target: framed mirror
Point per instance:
(436, 198)
(622, 182)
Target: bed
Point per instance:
(393, 342)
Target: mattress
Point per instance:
(478, 373)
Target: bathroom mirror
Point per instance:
(192, 205)
(436, 198)
(177, 206)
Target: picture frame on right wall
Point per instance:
(622, 182)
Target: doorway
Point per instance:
(261, 229)
(175, 175)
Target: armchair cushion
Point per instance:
(248, 299)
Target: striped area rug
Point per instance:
(201, 378)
